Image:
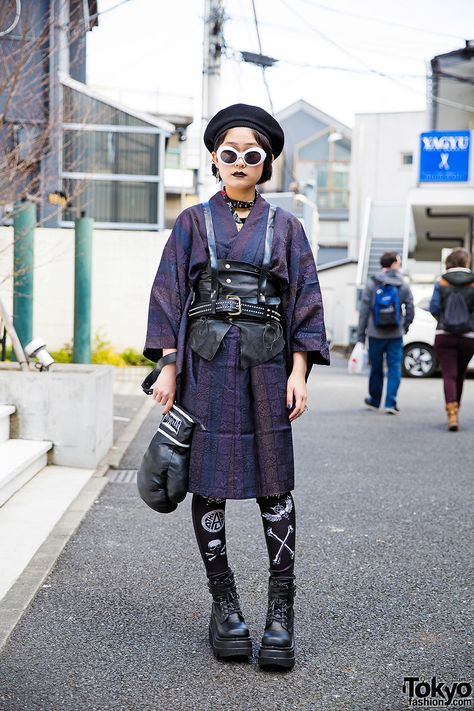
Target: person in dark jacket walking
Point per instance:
(452, 304)
(386, 313)
(237, 296)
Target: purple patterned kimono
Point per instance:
(247, 449)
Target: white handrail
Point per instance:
(406, 235)
(17, 347)
(363, 241)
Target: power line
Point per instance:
(109, 9)
(236, 55)
(261, 52)
(372, 70)
(351, 70)
(380, 20)
(379, 47)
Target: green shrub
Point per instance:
(107, 356)
(103, 353)
(64, 355)
(133, 357)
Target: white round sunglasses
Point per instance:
(252, 156)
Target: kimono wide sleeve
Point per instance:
(302, 302)
(170, 291)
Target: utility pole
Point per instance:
(213, 43)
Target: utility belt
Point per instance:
(230, 291)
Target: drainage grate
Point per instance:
(122, 476)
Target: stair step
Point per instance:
(20, 460)
(25, 525)
(5, 412)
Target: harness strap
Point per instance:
(211, 241)
(267, 253)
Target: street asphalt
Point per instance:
(384, 575)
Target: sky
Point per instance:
(150, 52)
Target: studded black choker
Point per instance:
(239, 204)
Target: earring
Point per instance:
(218, 175)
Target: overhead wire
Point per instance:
(378, 43)
(373, 70)
(380, 20)
(261, 52)
(109, 9)
(235, 55)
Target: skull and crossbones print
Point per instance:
(215, 547)
(283, 542)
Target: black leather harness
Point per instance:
(247, 297)
(231, 291)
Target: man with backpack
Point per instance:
(452, 304)
(386, 313)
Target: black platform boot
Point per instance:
(278, 644)
(228, 634)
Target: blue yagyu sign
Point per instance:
(444, 156)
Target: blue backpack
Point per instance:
(386, 306)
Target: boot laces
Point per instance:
(277, 610)
(229, 602)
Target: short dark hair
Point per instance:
(263, 142)
(458, 258)
(388, 258)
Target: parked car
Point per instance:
(419, 358)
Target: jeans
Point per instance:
(393, 350)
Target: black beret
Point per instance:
(249, 117)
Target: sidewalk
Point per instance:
(37, 521)
(383, 560)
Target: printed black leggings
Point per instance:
(279, 525)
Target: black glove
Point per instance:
(162, 479)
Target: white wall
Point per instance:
(378, 141)
(338, 287)
(123, 267)
(333, 233)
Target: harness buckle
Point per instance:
(234, 297)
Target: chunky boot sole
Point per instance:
(274, 657)
(227, 646)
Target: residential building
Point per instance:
(412, 185)
(316, 164)
(442, 199)
(61, 137)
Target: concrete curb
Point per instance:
(22, 592)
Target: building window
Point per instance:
(111, 163)
(110, 152)
(326, 164)
(407, 158)
(131, 204)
